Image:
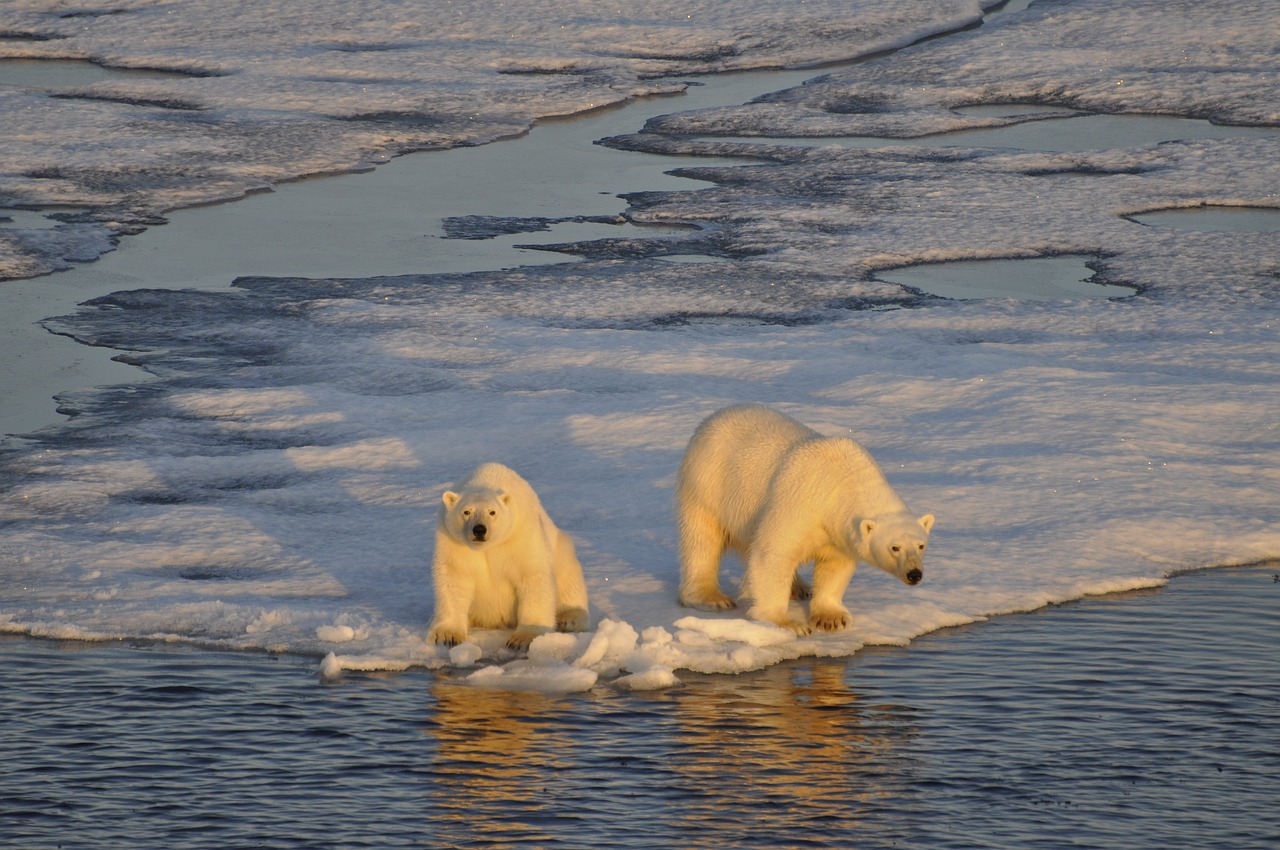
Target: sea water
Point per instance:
(1137, 720)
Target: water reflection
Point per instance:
(813, 756)
(721, 761)
(1033, 279)
(496, 751)
(72, 73)
(1214, 219)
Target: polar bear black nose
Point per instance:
(478, 531)
(914, 577)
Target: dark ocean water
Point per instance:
(1148, 719)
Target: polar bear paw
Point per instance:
(784, 620)
(801, 629)
(707, 599)
(833, 620)
(446, 635)
(524, 635)
(571, 620)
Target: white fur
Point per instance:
(782, 495)
(520, 572)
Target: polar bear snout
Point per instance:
(479, 532)
(908, 562)
(910, 567)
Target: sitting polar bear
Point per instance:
(782, 495)
(500, 562)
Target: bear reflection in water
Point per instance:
(794, 743)
(782, 495)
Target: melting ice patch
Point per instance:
(195, 105)
(1211, 219)
(1038, 279)
(1187, 59)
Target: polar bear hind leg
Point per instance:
(800, 589)
(702, 544)
(571, 587)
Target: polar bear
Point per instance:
(782, 495)
(500, 562)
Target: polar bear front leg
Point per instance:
(455, 588)
(571, 587)
(768, 580)
(535, 606)
(831, 574)
(446, 633)
(530, 625)
(702, 540)
(524, 635)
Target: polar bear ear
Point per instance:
(505, 498)
(866, 527)
(450, 498)
(927, 522)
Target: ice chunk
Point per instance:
(750, 632)
(555, 646)
(465, 654)
(551, 678)
(330, 668)
(613, 641)
(648, 680)
(336, 634)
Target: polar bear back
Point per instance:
(742, 456)
(834, 473)
(730, 458)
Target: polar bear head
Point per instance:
(478, 517)
(896, 544)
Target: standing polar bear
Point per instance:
(500, 562)
(782, 495)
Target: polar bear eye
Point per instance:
(467, 512)
(493, 513)
(895, 549)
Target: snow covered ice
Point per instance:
(260, 93)
(275, 488)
